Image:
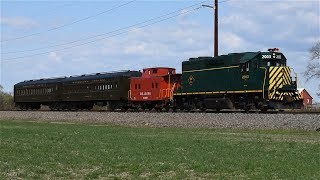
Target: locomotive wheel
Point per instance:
(124, 109)
(166, 109)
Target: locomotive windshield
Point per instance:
(275, 63)
(273, 59)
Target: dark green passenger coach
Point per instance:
(75, 92)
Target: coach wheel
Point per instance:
(37, 106)
(89, 107)
(203, 109)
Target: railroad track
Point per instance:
(193, 111)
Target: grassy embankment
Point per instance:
(44, 150)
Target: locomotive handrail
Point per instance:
(264, 82)
(296, 76)
(129, 94)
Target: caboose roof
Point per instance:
(158, 68)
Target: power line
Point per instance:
(71, 23)
(110, 32)
(90, 42)
(224, 1)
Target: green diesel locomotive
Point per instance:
(249, 80)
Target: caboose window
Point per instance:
(156, 85)
(155, 71)
(152, 85)
(135, 86)
(139, 86)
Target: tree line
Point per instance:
(6, 100)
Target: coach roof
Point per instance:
(101, 75)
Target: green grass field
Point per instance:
(44, 150)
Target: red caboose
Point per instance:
(154, 89)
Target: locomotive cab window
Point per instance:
(245, 67)
(268, 63)
(275, 63)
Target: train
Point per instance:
(247, 80)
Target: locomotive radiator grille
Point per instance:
(278, 77)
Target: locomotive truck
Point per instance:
(248, 80)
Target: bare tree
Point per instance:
(313, 67)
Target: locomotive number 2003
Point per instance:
(266, 56)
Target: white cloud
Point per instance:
(18, 21)
(241, 22)
(54, 56)
(136, 49)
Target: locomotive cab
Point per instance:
(281, 81)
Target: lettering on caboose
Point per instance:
(145, 93)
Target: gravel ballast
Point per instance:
(183, 120)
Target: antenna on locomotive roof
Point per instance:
(215, 42)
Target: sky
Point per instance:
(42, 39)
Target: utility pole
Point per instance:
(216, 28)
(215, 24)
